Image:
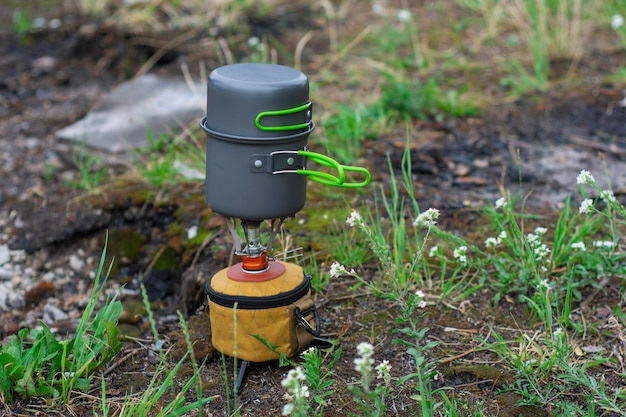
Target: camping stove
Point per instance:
(257, 125)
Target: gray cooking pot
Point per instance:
(257, 125)
(243, 130)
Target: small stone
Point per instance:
(5, 254)
(76, 263)
(18, 255)
(6, 273)
(53, 314)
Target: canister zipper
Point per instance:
(256, 303)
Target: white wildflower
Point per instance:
(544, 284)
(422, 304)
(293, 383)
(427, 218)
(492, 242)
(363, 363)
(501, 203)
(355, 219)
(460, 254)
(192, 232)
(541, 231)
(404, 16)
(541, 251)
(557, 333)
(532, 239)
(288, 409)
(420, 293)
(365, 349)
(579, 246)
(433, 251)
(383, 371)
(606, 244)
(309, 352)
(304, 391)
(585, 177)
(608, 196)
(585, 206)
(253, 41)
(337, 270)
(502, 235)
(294, 375)
(617, 21)
(378, 8)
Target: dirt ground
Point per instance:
(56, 233)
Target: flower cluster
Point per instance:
(492, 242)
(501, 203)
(383, 371)
(579, 246)
(299, 392)
(355, 219)
(363, 363)
(404, 16)
(585, 206)
(617, 21)
(427, 218)
(544, 284)
(337, 270)
(420, 296)
(608, 196)
(585, 177)
(539, 248)
(603, 244)
(460, 254)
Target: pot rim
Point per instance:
(237, 138)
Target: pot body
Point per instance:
(258, 117)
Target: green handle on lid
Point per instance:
(329, 179)
(284, 112)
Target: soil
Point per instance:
(56, 232)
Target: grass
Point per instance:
(550, 368)
(91, 169)
(399, 74)
(36, 364)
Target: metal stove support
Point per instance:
(252, 230)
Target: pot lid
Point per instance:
(258, 101)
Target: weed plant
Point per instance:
(34, 363)
(91, 170)
(344, 132)
(154, 401)
(159, 168)
(547, 270)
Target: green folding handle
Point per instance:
(329, 179)
(284, 112)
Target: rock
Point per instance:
(122, 119)
(5, 254)
(76, 263)
(53, 314)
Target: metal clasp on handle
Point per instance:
(307, 117)
(300, 315)
(285, 162)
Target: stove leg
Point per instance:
(241, 376)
